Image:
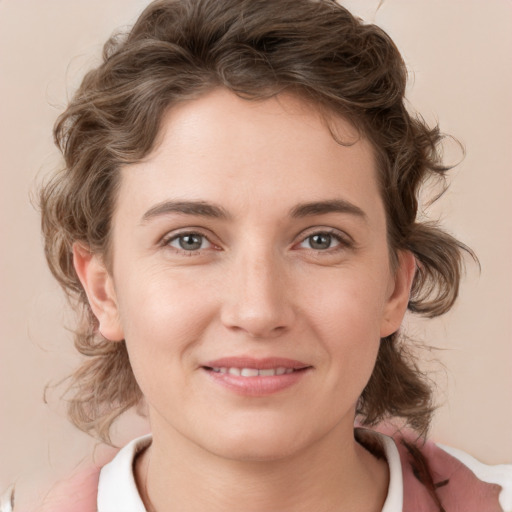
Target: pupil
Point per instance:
(190, 242)
(321, 241)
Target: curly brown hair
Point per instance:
(180, 49)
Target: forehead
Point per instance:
(246, 154)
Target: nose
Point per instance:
(257, 297)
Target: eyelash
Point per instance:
(344, 242)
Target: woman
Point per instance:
(237, 223)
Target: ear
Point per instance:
(399, 294)
(99, 287)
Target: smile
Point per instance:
(256, 377)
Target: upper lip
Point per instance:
(257, 363)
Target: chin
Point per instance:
(255, 451)
(262, 444)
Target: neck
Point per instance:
(334, 474)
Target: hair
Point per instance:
(179, 50)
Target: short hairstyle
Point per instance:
(180, 49)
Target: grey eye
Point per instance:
(189, 242)
(320, 241)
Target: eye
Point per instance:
(322, 241)
(189, 242)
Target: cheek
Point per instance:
(349, 301)
(160, 302)
(163, 319)
(346, 316)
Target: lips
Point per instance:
(256, 377)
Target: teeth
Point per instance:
(253, 372)
(249, 372)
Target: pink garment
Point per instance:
(458, 489)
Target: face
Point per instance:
(250, 276)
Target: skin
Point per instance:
(258, 286)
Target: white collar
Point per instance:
(117, 490)
(395, 498)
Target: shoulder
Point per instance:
(107, 484)
(77, 492)
(449, 477)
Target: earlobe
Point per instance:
(397, 302)
(99, 287)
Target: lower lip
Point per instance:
(257, 386)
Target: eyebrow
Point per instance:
(330, 206)
(204, 209)
(200, 208)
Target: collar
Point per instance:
(117, 489)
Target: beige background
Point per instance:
(459, 55)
